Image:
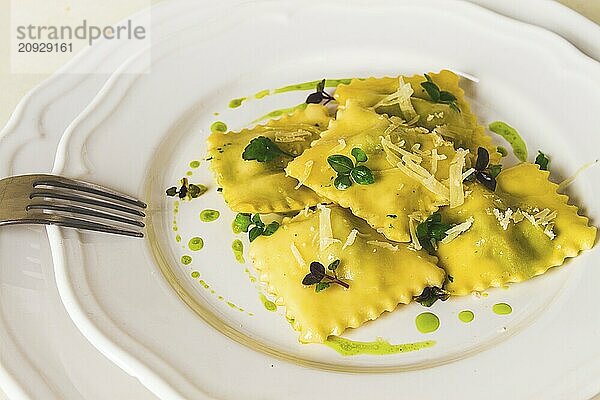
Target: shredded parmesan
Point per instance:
(350, 239)
(384, 245)
(297, 255)
(564, 184)
(434, 161)
(415, 244)
(455, 181)
(467, 173)
(325, 234)
(305, 174)
(341, 146)
(455, 231)
(402, 98)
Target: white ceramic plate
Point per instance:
(116, 296)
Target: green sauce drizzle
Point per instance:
(502, 309)
(280, 112)
(235, 103)
(186, 260)
(178, 238)
(311, 85)
(262, 93)
(209, 215)
(348, 347)
(196, 243)
(269, 305)
(511, 135)
(189, 173)
(466, 316)
(195, 163)
(195, 274)
(427, 322)
(238, 250)
(218, 126)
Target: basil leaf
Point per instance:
(333, 266)
(257, 221)
(342, 182)
(172, 191)
(447, 97)
(255, 232)
(340, 163)
(432, 90)
(241, 223)
(359, 155)
(271, 228)
(542, 160)
(362, 175)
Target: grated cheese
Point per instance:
(341, 146)
(350, 239)
(305, 174)
(415, 244)
(455, 231)
(402, 98)
(564, 184)
(297, 255)
(325, 233)
(455, 181)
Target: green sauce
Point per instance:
(311, 85)
(209, 215)
(502, 150)
(269, 305)
(196, 243)
(189, 173)
(186, 260)
(262, 93)
(511, 135)
(427, 322)
(196, 164)
(235, 103)
(195, 274)
(238, 250)
(502, 309)
(466, 316)
(218, 126)
(348, 347)
(280, 112)
(178, 238)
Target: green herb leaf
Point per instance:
(542, 160)
(271, 228)
(257, 221)
(359, 155)
(430, 231)
(340, 164)
(321, 286)
(196, 190)
(255, 232)
(428, 78)
(432, 90)
(494, 169)
(333, 266)
(447, 97)
(241, 223)
(430, 295)
(454, 107)
(172, 191)
(263, 149)
(362, 175)
(342, 182)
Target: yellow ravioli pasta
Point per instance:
(518, 232)
(386, 204)
(461, 128)
(263, 187)
(380, 275)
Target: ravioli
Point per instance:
(518, 232)
(398, 192)
(263, 187)
(461, 128)
(380, 275)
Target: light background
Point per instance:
(63, 12)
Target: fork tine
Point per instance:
(85, 200)
(77, 223)
(56, 181)
(84, 211)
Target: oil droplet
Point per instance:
(178, 238)
(511, 135)
(262, 93)
(186, 260)
(235, 103)
(196, 243)
(238, 251)
(269, 305)
(195, 274)
(218, 126)
(194, 164)
(502, 309)
(209, 215)
(466, 316)
(427, 322)
(348, 347)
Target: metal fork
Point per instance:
(55, 200)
